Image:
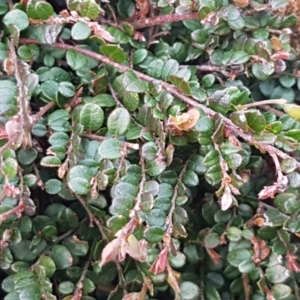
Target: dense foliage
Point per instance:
(149, 150)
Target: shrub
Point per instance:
(149, 150)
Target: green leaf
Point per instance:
(153, 234)
(10, 167)
(131, 101)
(115, 223)
(76, 247)
(3, 7)
(177, 261)
(170, 67)
(91, 116)
(208, 80)
(287, 81)
(289, 94)
(76, 60)
(204, 124)
(234, 234)
(155, 68)
(281, 291)
(247, 266)
(114, 52)
(287, 203)
(126, 9)
(53, 186)
(276, 4)
(237, 256)
(59, 139)
(104, 100)
(288, 165)
(43, 10)
(189, 291)
(220, 100)
(155, 167)
(132, 83)
(66, 89)
(122, 205)
(89, 9)
(61, 257)
(118, 121)
(21, 251)
(48, 264)
(17, 18)
(28, 52)
(200, 36)
(50, 161)
(79, 179)
(139, 55)
(213, 175)
(211, 240)
(88, 286)
(66, 287)
(190, 178)
(156, 217)
(211, 293)
(80, 31)
(277, 274)
(255, 119)
(181, 84)
(262, 71)
(111, 149)
(59, 120)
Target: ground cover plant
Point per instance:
(149, 149)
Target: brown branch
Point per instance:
(174, 197)
(77, 295)
(114, 95)
(102, 138)
(97, 222)
(275, 111)
(26, 122)
(86, 208)
(248, 137)
(164, 19)
(138, 203)
(42, 111)
(14, 211)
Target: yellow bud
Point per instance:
(292, 110)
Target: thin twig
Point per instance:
(86, 208)
(42, 111)
(280, 101)
(26, 122)
(164, 19)
(253, 11)
(138, 203)
(75, 99)
(63, 236)
(97, 222)
(118, 265)
(14, 211)
(248, 137)
(267, 207)
(102, 138)
(121, 160)
(114, 95)
(175, 195)
(222, 236)
(77, 295)
(275, 111)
